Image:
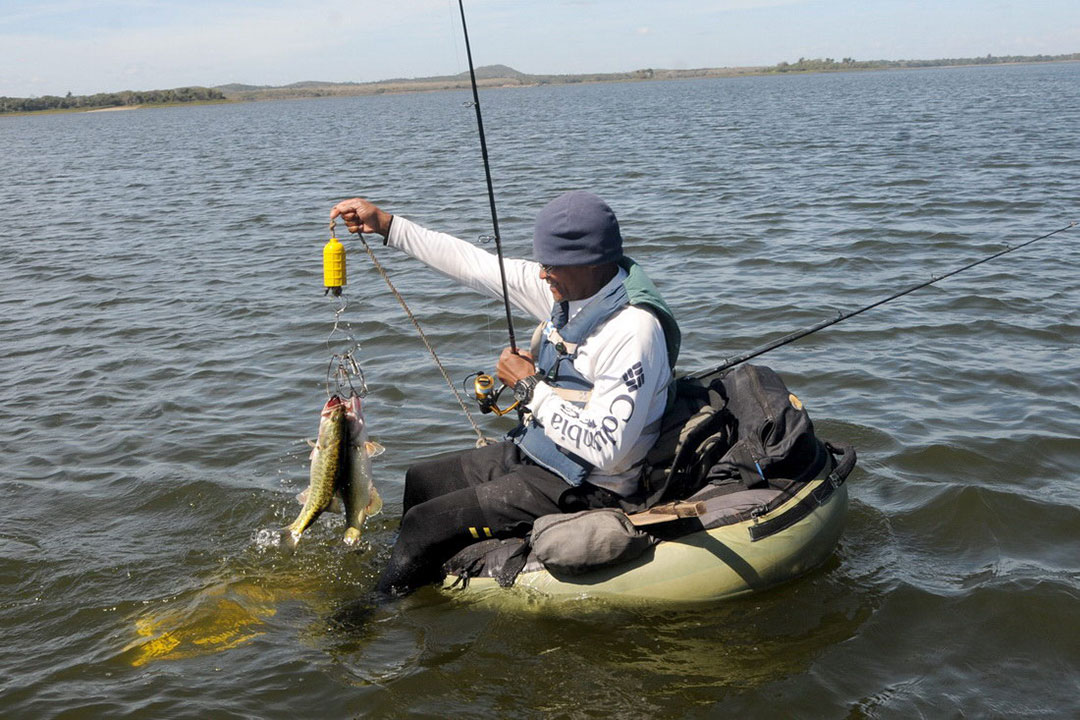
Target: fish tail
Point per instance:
(300, 524)
(290, 536)
(352, 536)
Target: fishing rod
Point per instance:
(490, 188)
(792, 337)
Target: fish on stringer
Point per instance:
(359, 496)
(345, 484)
(329, 457)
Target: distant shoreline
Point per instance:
(501, 76)
(113, 109)
(488, 77)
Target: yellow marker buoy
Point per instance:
(333, 259)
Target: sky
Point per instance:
(52, 47)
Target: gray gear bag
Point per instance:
(576, 543)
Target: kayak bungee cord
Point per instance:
(487, 175)
(792, 337)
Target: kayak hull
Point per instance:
(714, 564)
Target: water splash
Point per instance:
(267, 538)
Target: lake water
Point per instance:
(164, 347)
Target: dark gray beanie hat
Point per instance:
(577, 228)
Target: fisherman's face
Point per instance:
(570, 282)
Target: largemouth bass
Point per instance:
(358, 492)
(329, 458)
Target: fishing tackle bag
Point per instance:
(574, 543)
(739, 428)
(562, 543)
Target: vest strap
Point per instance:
(537, 339)
(564, 347)
(574, 396)
(553, 336)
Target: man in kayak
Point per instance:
(594, 393)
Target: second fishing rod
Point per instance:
(840, 317)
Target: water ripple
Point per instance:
(162, 370)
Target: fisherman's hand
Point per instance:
(361, 216)
(514, 366)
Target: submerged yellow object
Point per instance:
(334, 265)
(218, 619)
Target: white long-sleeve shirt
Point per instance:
(625, 358)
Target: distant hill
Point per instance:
(493, 71)
(486, 76)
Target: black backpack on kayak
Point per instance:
(737, 429)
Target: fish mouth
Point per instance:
(333, 406)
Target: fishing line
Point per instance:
(792, 337)
(481, 440)
(487, 175)
(451, 12)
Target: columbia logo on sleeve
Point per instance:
(634, 377)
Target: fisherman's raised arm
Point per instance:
(451, 256)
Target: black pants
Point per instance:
(463, 497)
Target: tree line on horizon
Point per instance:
(125, 98)
(826, 64)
